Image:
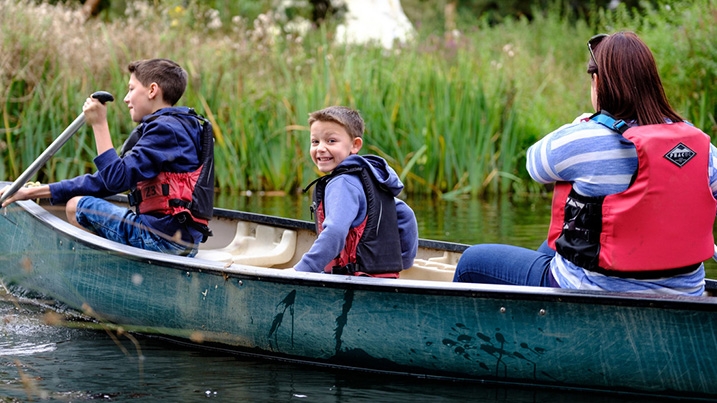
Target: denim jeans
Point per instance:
(122, 225)
(506, 264)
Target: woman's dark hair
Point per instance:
(629, 86)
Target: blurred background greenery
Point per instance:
(452, 111)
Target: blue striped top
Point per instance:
(600, 162)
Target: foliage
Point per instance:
(452, 112)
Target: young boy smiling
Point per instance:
(171, 148)
(362, 228)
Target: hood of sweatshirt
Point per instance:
(385, 175)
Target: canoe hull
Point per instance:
(523, 335)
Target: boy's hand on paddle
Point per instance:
(17, 196)
(95, 111)
(25, 193)
(96, 116)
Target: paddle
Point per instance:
(103, 97)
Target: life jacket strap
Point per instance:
(186, 219)
(135, 197)
(607, 120)
(352, 269)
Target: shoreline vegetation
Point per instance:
(452, 111)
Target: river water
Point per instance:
(75, 363)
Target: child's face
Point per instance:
(331, 144)
(138, 99)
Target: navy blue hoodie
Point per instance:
(169, 143)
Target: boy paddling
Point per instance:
(166, 164)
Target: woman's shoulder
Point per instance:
(585, 127)
(588, 134)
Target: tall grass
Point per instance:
(452, 114)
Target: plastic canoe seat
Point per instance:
(434, 269)
(266, 246)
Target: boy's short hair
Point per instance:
(168, 75)
(349, 118)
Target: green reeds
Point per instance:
(453, 114)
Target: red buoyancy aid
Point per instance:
(662, 221)
(169, 193)
(372, 248)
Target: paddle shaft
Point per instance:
(103, 97)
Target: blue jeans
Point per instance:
(506, 264)
(122, 225)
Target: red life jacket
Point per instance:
(661, 223)
(372, 248)
(168, 193)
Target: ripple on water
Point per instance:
(24, 332)
(22, 349)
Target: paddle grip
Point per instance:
(103, 96)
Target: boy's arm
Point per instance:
(342, 204)
(88, 185)
(26, 193)
(408, 232)
(96, 116)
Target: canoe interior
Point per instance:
(274, 242)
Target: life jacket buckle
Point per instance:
(348, 269)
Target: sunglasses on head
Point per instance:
(592, 44)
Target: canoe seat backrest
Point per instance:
(440, 268)
(262, 245)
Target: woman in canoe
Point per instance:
(635, 187)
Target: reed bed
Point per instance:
(452, 113)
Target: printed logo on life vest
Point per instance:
(680, 155)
